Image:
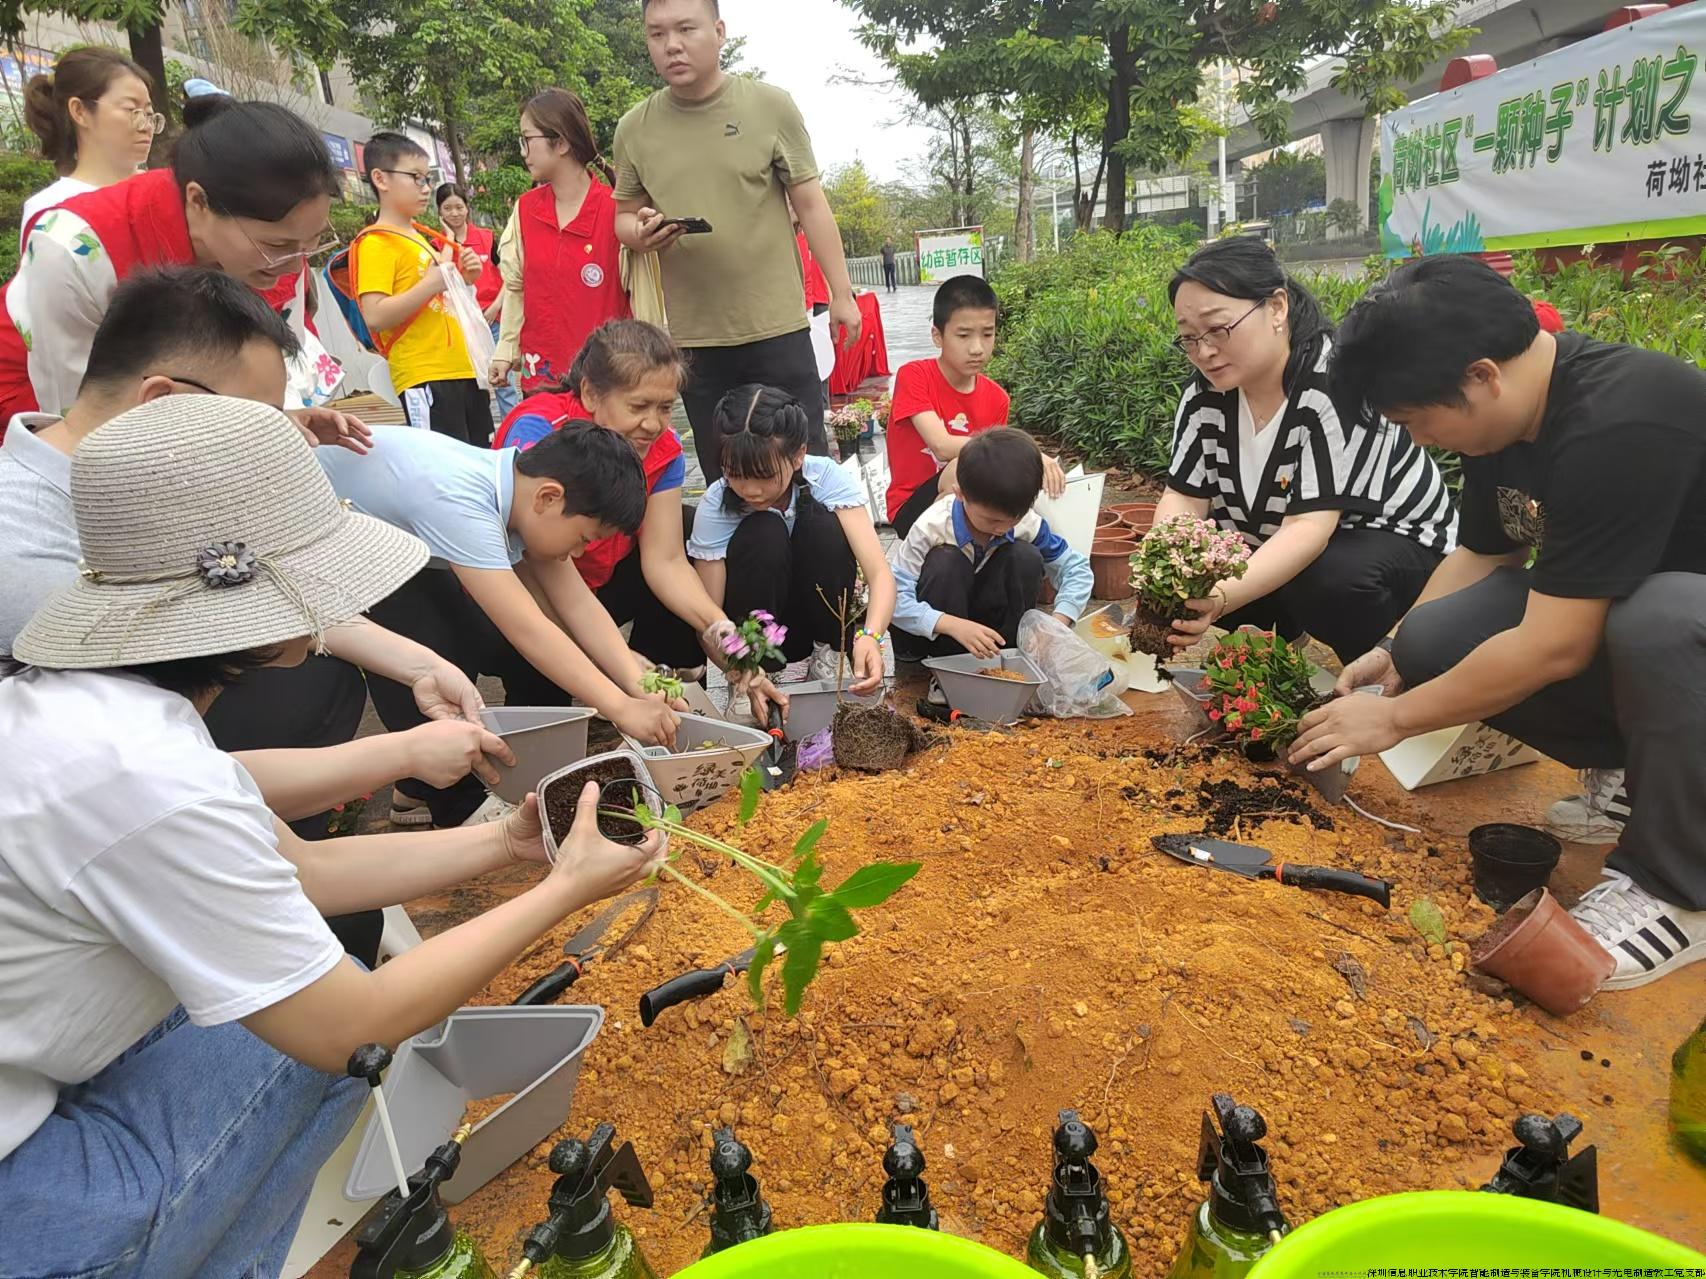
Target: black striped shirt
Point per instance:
(1373, 474)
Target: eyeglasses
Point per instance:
(326, 245)
(422, 180)
(1217, 336)
(525, 138)
(203, 387)
(141, 118)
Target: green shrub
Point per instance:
(21, 176)
(1086, 340)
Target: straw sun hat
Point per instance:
(207, 527)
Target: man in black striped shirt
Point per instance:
(1573, 616)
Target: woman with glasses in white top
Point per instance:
(249, 192)
(96, 120)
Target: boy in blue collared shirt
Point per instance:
(974, 562)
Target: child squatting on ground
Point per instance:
(939, 405)
(974, 562)
(789, 534)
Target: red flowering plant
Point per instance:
(1261, 689)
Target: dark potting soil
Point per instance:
(1494, 937)
(1226, 803)
(562, 800)
(1149, 632)
(872, 739)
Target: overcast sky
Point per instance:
(801, 44)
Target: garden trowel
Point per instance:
(1257, 863)
(777, 766)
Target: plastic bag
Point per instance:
(476, 332)
(1078, 682)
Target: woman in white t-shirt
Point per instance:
(1346, 518)
(96, 120)
(175, 1016)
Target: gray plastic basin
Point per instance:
(544, 739)
(686, 776)
(999, 701)
(473, 1054)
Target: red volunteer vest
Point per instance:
(598, 562)
(572, 277)
(140, 223)
(491, 281)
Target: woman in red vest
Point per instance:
(626, 379)
(559, 253)
(248, 192)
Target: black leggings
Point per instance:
(658, 633)
(792, 576)
(787, 362)
(997, 595)
(433, 609)
(1350, 596)
(316, 704)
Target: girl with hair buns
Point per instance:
(96, 120)
(559, 254)
(789, 534)
(249, 191)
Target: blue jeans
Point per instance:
(504, 397)
(192, 1154)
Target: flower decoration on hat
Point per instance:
(227, 564)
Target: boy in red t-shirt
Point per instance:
(940, 404)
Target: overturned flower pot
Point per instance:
(1541, 951)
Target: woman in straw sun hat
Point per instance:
(174, 1013)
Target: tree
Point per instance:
(1147, 59)
(138, 19)
(1289, 181)
(1344, 217)
(861, 211)
(431, 65)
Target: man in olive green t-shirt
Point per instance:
(732, 151)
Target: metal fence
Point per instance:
(868, 272)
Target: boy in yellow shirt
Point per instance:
(399, 280)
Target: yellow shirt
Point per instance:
(431, 348)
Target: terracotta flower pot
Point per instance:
(1545, 954)
(1139, 517)
(1110, 566)
(1108, 519)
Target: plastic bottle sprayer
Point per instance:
(739, 1213)
(906, 1199)
(1076, 1239)
(581, 1239)
(411, 1236)
(1241, 1218)
(1541, 1166)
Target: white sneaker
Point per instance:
(1649, 938)
(935, 696)
(493, 810)
(1597, 815)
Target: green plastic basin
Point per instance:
(1452, 1229)
(858, 1252)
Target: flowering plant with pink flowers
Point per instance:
(757, 640)
(1184, 559)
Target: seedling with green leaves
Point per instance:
(658, 682)
(817, 917)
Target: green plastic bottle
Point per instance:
(1688, 1095)
(411, 1237)
(1540, 1165)
(1075, 1239)
(581, 1239)
(739, 1214)
(906, 1199)
(1241, 1219)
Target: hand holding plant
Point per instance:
(657, 681)
(755, 641)
(1181, 560)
